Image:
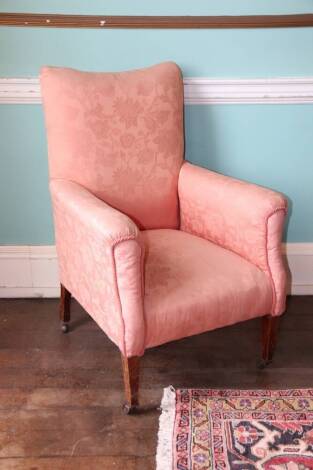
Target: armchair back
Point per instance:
(120, 135)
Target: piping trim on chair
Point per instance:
(284, 209)
(114, 244)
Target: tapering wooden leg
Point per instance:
(269, 333)
(131, 382)
(65, 308)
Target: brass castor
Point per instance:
(264, 363)
(129, 409)
(64, 328)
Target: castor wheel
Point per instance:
(264, 363)
(64, 328)
(129, 409)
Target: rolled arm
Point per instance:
(100, 258)
(242, 217)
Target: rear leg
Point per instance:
(269, 335)
(65, 309)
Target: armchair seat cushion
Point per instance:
(193, 285)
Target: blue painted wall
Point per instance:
(269, 144)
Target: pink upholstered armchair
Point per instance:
(154, 248)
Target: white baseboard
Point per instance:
(28, 271)
(29, 292)
(32, 271)
(204, 90)
(299, 258)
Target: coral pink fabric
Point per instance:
(115, 156)
(239, 216)
(193, 285)
(120, 135)
(100, 256)
(276, 267)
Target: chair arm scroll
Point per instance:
(242, 217)
(100, 256)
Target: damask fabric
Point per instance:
(120, 135)
(100, 257)
(120, 194)
(187, 284)
(193, 285)
(241, 430)
(242, 217)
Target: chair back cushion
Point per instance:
(120, 135)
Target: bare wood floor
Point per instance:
(60, 395)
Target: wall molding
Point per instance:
(49, 20)
(253, 91)
(20, 91)
(197, 90)
(31, 271)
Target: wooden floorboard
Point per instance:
(60, 395)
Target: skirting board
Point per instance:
(31, 271)
(285, 90)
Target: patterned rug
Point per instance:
(236, 429)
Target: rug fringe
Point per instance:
(164, 456)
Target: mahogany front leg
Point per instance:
(131, 366)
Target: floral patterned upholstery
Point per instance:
(100, 254)
(193, 285)
(239, 216)
(153, 248)
(120, 135)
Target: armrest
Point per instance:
(100, 262)
(242, 217)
